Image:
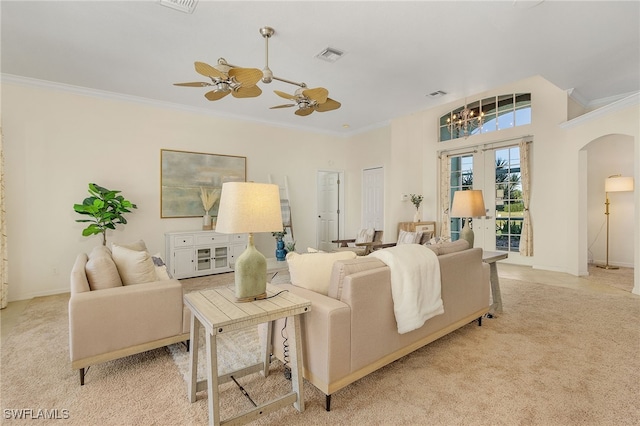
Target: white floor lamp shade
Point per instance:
(248, 207)
(467, 204)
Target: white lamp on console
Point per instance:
(248, 207)
(467, 204)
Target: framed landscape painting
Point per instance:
(184, 175)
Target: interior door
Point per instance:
(373, 198)
(329, 215)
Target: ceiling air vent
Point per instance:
(330, 54)
(186, 6)
(437, 94)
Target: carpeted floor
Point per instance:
(557, 356)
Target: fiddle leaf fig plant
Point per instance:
(106, 209)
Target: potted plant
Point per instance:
(416, 200)
(280, 251)
(208, 199)
(106, 209)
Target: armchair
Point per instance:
(363, 244)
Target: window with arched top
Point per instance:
(486, 115)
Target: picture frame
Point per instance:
(184, 173)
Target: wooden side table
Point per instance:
(491, 257)
(219, 313)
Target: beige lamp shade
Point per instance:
(618, 183)
(249, 207)
(468, 204)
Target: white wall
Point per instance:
(607, 156)
(57, 142)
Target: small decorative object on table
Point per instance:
(416, 200)
(208, 200)
(281, 253)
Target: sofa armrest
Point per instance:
(326, 338)
(107, 320)
(343, 243)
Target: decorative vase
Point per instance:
(281, 253)
(416, 217)
(206, 222)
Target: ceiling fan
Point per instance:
(225, 79)
(308, 100)
(242, 83)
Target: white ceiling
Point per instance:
(396, 52)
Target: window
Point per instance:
(509, 204)
(461, 179)
(497, 112)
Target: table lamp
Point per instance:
(467, 204)
(614, 183)
(248, 207)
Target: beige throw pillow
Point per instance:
(101, 270)
(136, 245)
(135, 267)
(313, 270)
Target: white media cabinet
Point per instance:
(196, 253)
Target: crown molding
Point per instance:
(103, 94)
(630, 100)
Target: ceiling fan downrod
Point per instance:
(267, 74)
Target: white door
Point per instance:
(329, 204)
(373, 198)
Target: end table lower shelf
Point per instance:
(217, 310)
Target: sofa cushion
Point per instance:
(342, 268)
(447, 247)
(101, 270)
(135, 267)
(407, 237)
(313, 270)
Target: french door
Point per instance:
(496, 172)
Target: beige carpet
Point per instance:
(557, 356)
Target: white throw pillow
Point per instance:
(406, 237)
(134, 267)
(365, 235)
(160, 267)
(313, 270)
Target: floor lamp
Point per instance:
(614, 183)
(467, 204)
(246, 208)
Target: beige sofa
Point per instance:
(352, 331)
(109, 319)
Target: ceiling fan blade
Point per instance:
(283, 106)
(284, 95)
(194, 84)
(319, 94)
(214, 95)
(247, 92)
(246, 76)
(329, 105)
(209, 71)
(304, 112)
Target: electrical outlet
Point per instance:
(55, 271)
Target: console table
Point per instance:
(217, 310)
(491, 257)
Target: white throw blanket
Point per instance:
(415, 284)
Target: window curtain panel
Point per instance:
(526, 236)
(4, 271)
(445, 226)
